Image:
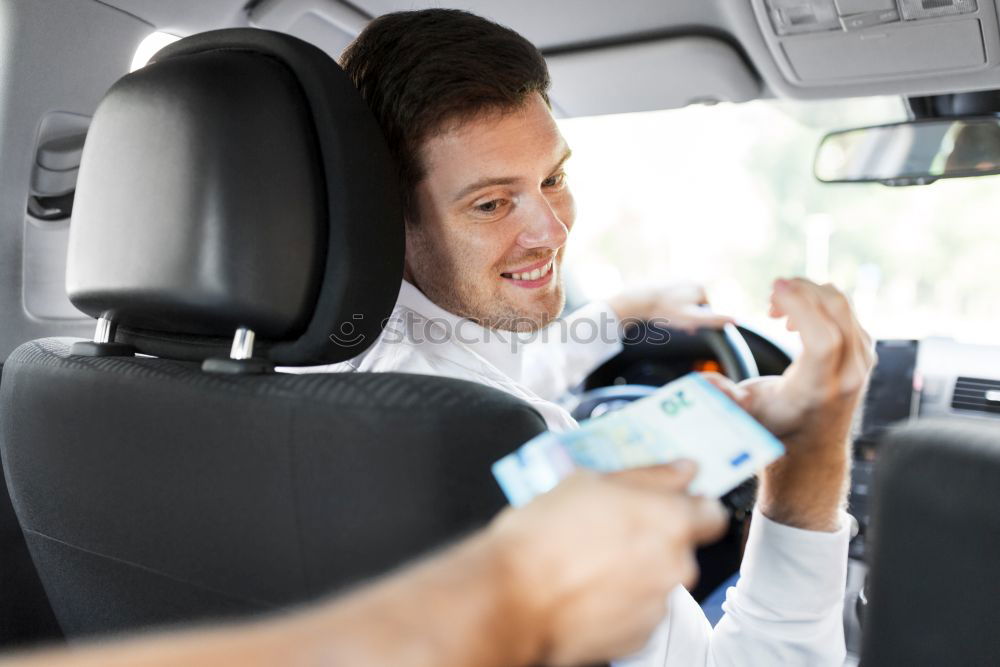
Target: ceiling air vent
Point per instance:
(976, 394)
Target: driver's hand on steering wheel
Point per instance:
(683, 305)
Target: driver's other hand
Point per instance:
(682, 305)
(590, 565)
(814, 401)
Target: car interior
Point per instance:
(238, 204)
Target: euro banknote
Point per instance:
(688, 418)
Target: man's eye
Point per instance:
(554, 181)
(490, 206)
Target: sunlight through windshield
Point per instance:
(725, 195)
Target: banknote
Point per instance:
(687, 418)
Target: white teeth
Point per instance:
(533, 275)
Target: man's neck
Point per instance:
(409, 277)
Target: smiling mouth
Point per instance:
(530, 276)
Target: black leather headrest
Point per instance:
(238, 180)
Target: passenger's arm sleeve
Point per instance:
(786, 609)
(562, 354)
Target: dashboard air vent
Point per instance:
(976, 394)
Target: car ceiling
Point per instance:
(551, 24)
(748, 59)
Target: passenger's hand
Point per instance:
(590, 565)
(812, 405)
(684, 305)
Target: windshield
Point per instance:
(725, 196)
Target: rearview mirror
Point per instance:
(911, 153)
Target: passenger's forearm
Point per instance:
(450, 610)
(454, 610)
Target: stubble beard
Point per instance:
(505, 318)
(450, 289)
(495, 312)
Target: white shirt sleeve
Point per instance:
(562, 354)
(786, 609)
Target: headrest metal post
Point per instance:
(104, 344)
(240, 361)
(242, 344)
(105, 332)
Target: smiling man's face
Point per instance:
(493, 212)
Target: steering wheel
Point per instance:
(718, 561)
(728, 346)
(732, 351)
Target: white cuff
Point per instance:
(791, 573)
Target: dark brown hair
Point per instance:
(420, 71)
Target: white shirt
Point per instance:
(786, 608)
(421, 337)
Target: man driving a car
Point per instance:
(463, 103)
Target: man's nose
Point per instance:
(543, 228)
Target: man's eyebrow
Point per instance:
(567, 155)
(503, 180)
(485, 183)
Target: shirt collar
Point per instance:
(499, 348)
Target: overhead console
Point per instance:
(829, 46)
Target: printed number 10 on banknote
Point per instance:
(688, 418)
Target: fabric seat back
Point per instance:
(935, 538)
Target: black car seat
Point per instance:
(25, 614)
(934, 581)
(236, 209)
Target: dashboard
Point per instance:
(914, 380)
